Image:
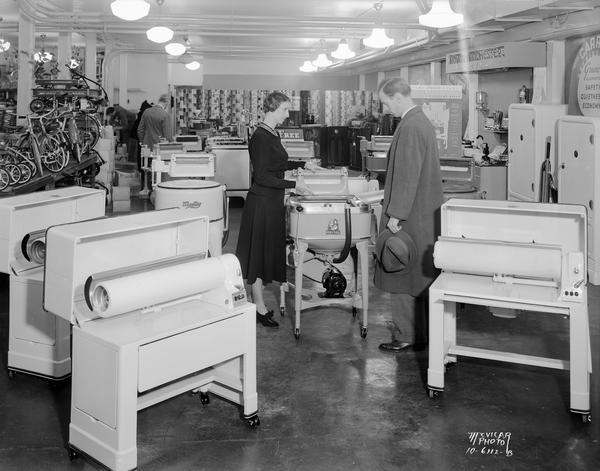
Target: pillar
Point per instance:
(91, 45)
(65, 49)
(25, 58)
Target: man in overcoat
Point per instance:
(410, 218)
(155, 123)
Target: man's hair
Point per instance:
(274, 101)
(110, 110)
(390, 87)
(164, 98)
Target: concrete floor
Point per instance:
(333, 401)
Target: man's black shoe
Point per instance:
(394, 346)
(265, 320)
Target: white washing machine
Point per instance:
(206, 196)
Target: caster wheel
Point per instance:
(204, 398)
(253, 421)
(282, 311)
(353, 311)
(297, 333)
(433, 393)
(73, 455)
(586, 418)
(12, 374)
(363, 332)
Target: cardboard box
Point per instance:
(121, 193)
(121, 206)
(128, 178)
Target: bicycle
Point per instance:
(45, 148)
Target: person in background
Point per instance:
(122, 120)
(410, 218)
(261, 243)
(155, 123)
(134, 135)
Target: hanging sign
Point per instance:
(525, 54)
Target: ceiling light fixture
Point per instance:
(441, 15)
(175, 49)
(343, 51)
(194, 65)
(322, 60)
(378, 39)
(159, 34)
(73, 63)
(130, 10)
(42, 56)
(307, 67)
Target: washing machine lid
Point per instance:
(188, 184)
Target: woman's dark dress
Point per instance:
(261, 242)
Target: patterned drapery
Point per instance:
(335, 107)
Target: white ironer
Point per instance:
(38, 343)
(149, 323)
(515, 255)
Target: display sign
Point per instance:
(442, 104)
(585, 78)
(524, 54)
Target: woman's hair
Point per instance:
(394, 85)
(274, 101)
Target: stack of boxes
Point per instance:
(121, 199)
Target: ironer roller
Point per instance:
(494, 258)
(151, 285)
(148, 324)
(512, 255)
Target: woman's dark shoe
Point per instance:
(267, 321)
(394, 346)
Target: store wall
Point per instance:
(502, 88)
(146, 78)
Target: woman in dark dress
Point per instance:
(261, 242)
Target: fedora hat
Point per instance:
(396, 252)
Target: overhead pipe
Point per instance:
(375, 55)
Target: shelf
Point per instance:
(497, 131)
(49, 178)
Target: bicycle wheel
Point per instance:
(37, 105)
(4, 179)
(22, 156)
(89, 130)
(52, 154)
(98, 162)
(25, 172)
(13, 173)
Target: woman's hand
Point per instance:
(310, 166)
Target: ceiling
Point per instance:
(280, 29)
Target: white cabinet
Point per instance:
(531, 135)
(578, 165)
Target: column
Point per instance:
(25, 81)
(65, 43)
(122, 99)
(435, 73)
(555, 65)
(91, 45)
